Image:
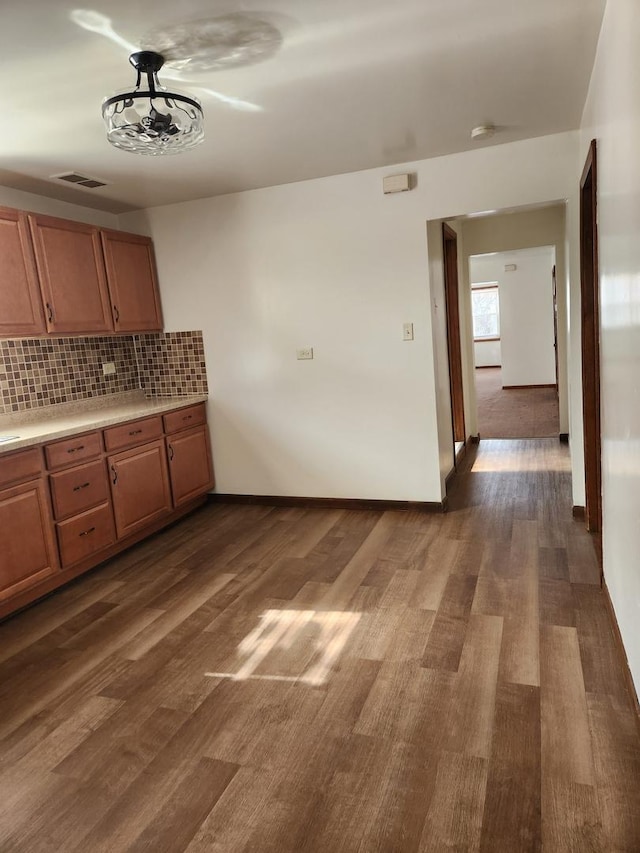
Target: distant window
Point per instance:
(486, 311)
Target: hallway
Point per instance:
(403, 682)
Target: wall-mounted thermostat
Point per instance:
(396, 184)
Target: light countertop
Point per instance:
(37, 426)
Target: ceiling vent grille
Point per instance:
(80, 180)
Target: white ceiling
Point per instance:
(355, 84)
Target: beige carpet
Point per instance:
(514, 413)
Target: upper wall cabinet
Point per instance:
(20, 304)
(71, 273)
(131, 274)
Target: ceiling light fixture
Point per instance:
(152, 120)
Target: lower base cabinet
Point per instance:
(139, 486)
(85, 534)
(97, 492)
(190, 466)
(28, 550)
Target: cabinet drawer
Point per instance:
(70, 451)
(85, 534)
(20, 467)
(185, 418)
(79, 488)
(132, 433)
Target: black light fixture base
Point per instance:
(146, 60)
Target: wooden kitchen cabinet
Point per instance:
(72, 275)
(28, 554)
(190, 468)
(20, 301)
(133, 285)
(140, 488)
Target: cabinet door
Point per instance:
(20, 301)
(189, 464)
(71, 273)
(28, 553)
(139, 486)
(131, 274)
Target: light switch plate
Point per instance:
(305, 353)
(407, 331)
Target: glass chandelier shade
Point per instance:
(151, 119)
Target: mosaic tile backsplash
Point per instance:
(171, 364)
(38, 372)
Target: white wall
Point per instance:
(526, 312)
(487, 353)
(51, 207)
(522, 229)
(612, 116)
(334, 264)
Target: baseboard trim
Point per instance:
(522, 387)
(580, 513)
(618, 638)
(330, 503)
(564, 437)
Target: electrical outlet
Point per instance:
(109, 368)
(407, 331)
(305, 353)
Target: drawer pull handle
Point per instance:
(75, 449)
(116, 314)
(83, 486)
(187, 417)
(115, 475)
(135, 432)
(49, 313)
(171, 453)
(87, 532)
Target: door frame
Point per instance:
(454, 348)
(590, 340)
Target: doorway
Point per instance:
(590, 317)
(515, 343)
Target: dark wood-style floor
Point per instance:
(514, 412)
(404, 682)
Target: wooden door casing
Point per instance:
(450, 251)
(140, 487)
(28, 553)
(72, 277)
(21, 313)
(132, 280)
(190, 467)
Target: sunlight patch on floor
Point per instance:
(503, 456)
(283, 635)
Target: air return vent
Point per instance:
(80, 180)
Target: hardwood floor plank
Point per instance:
(454, 820)
(566, 740)
(191, 802)
(512, 809)
(450, 627)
